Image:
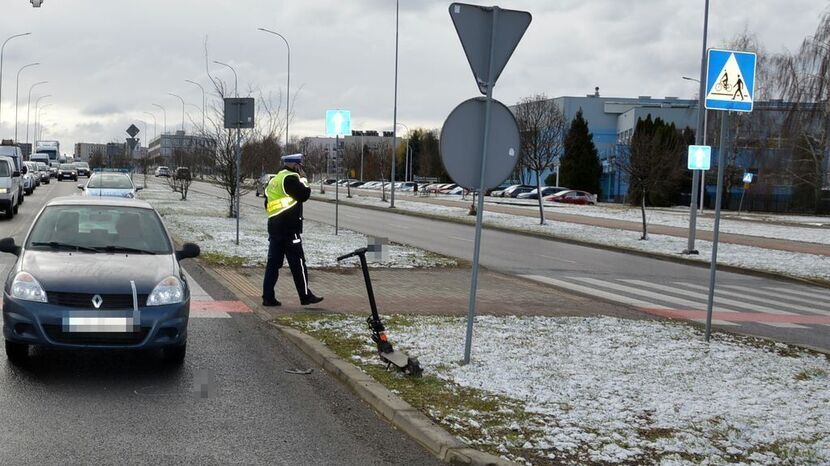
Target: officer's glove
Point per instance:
(304, 181)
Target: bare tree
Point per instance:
(542, 129)
(652, 161)
(804, 80)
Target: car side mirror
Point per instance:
(188, 250)
(138, 188)
(81, 187)
(7, 245)
(24, 169)
(15, 174)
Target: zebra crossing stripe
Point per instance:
(747, 295)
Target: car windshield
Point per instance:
(66, 166)
(82, 165)
(98, 228)
(110, 181)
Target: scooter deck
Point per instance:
(397, 358)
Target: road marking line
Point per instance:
(659, 297)
(594, 292)
(460, 239)
(803, 293)
(705, 297)
(773, 294)
(557, 259)
(196, 290)
(746, 295)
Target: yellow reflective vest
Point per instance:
(278, 200)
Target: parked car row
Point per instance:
(547, 193)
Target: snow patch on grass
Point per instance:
(203, 219)
(614, 391)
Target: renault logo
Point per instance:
(97, 301)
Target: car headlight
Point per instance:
(168, 291)
(26, 287)
(4, 190)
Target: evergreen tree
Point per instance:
(580, 166)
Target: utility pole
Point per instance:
(395, 111)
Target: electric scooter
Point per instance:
(406, 364)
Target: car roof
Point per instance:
(99, 201)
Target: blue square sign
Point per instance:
(730, 80)
(338, 123)
(700, 157)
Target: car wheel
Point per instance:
(9, 213)
(15, 209)
(18, 353)
(174, 354)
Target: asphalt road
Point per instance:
(126, 408)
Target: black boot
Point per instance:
(271, 302)
(311, 299)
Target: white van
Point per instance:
(9, 149)
(9, 184)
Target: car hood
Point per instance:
(79, 272)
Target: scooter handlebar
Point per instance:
(356, 252)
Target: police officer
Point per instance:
(284, 197)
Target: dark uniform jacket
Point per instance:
(290, 222)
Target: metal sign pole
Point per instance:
(471, 312)
(238, 165)
(337, 183)
(699, 137)
(724, 124)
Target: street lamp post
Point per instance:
(204, 101)
(288, 84)
(17, 95)
(164, 112)
(182, 99)
(154, 126)
(701, 112)
(407, 169)
(395, 108)
(705, 129)
(2, 54)
(37, 105)
(29, 106)
(238, 148)
(39, 123)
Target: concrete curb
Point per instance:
(654, 255)
(396, 411)
(399, 413)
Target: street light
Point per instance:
(165, 117)
(705, 122)
(235, 78)
(395, 110)
(288, 84)
(2, 53)
(408, 168)
(37, 104)
(154, 125)
(39, 123)
(204, 101)
(17, 95)
(29, 106)
(182, 99)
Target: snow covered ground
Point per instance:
(800, 265)
(799, 228)
(203, 219)
(613, 391)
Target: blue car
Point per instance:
(109, 184)
(96, 272)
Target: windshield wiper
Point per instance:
(57, 244)
(125, 249)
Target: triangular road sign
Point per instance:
(730, 83)
(474, 25)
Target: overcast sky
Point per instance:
(108, 61)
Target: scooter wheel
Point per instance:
(413, 368)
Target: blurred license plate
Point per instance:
(97, 324)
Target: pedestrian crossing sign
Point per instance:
(730, 80)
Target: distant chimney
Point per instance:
(596, 91)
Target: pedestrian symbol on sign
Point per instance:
(700, 157)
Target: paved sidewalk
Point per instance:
(745, 240)
(423, 291)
